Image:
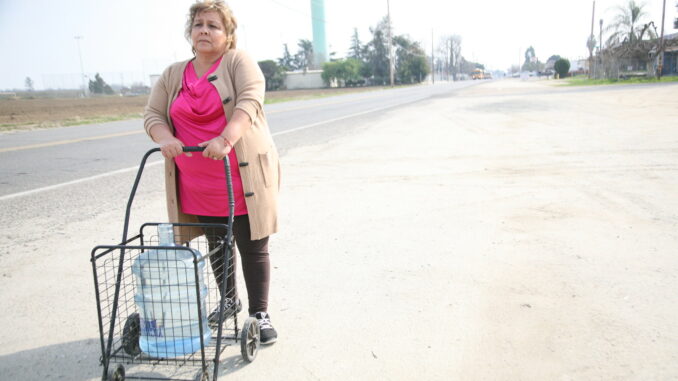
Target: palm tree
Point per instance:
(627, 24)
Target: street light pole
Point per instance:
(390, 41)
(82, 70)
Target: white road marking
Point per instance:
(84, 179)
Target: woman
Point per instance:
(214, 100)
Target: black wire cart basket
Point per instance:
(166, 299)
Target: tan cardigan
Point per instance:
(240, 84)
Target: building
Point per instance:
(670, 65)
(640, 58)
(579, 66)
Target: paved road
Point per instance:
(36, 159)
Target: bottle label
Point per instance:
(152, 328)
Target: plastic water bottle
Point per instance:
(167, 301)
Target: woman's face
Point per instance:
(208, 33)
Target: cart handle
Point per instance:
(229, 186)
(192, 149)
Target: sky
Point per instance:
(127, 41)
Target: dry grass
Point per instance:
(54, 112)
(22, 113)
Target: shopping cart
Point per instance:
(164, 306)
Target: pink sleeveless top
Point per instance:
(198, 115)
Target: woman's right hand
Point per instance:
(172, 147)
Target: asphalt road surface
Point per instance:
(32, 160)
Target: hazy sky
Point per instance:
(128, 40)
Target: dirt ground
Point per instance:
(22, 113)
(511, 231)
(54, 112)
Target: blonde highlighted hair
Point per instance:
(224, 12)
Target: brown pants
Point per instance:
(256, 265)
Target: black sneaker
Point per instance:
(268, 334)
(230, 309)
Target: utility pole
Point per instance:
(591, 46)
(390, 41)
(600, 46)
(433, 72)
(600, 50)
(82, 70)
(660, 64)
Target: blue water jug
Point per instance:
(167, 299)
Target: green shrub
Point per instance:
(273, 74)
(346, 72)
(562, 67)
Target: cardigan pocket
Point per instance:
(266, 162)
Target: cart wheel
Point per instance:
(249, 339)
(131, 333)
(117, 374)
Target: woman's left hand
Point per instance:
(215, 148)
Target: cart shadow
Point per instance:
(234, 363)
(231, 364)
(79, 360)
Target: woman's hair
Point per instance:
(227, 18)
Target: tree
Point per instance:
(449, 47)
(331, 73)
(562, 67)
(411, 63)
(370, 61)
(553, 58)
(531, 61)
(376, 54)
(356, 50)
(626, 25)
(550, 63)
(29, 84)
(273, 74)
(99, 86)
(287, 62)
(304, 57)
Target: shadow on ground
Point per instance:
(79, 360)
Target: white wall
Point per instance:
(299, 80)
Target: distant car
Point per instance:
(480, 74)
